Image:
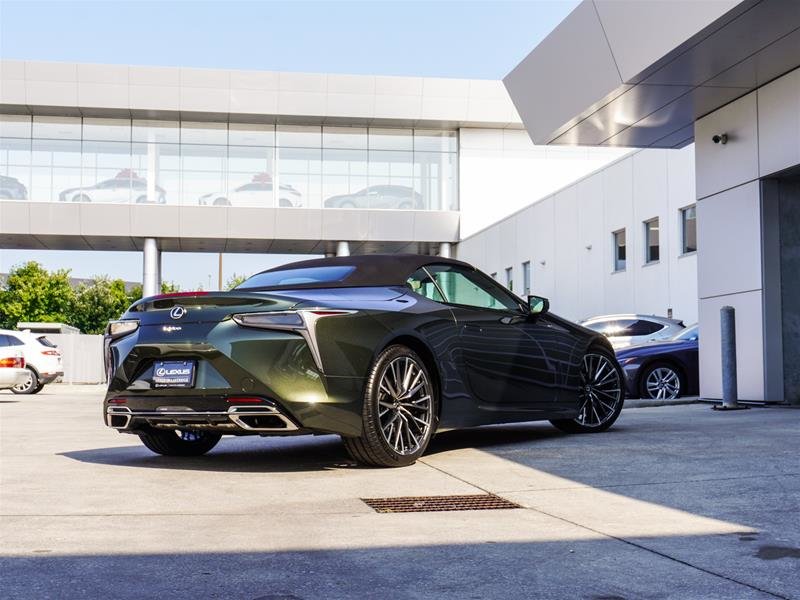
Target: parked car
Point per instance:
(379, 196)
(12, 368)
(42, 359)
(630, 329)
(662, 370)
(380, 349)
(126, 186)
(255, 193)
(12, 189)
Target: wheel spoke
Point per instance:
(601, 391)
(405, 405)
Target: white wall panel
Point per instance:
(729, 238)
(749, 347)
(558, 229)
(723, 166)
(779, 124)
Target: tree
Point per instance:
(31, 293)
(234, 281)
(98, 303)
(167, 287)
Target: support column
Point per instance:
(445, 250)
(151, 268)
(343, 249)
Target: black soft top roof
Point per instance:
(371, 270)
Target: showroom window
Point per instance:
(689, 229)
(238, 164)
(526, 278)
(510, 278)
(619, 250)
(651, 240)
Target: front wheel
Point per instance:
(660, 381)
(31, 385)
(399, 415)
(601, 396)
(177, 442)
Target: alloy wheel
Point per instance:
(405, 405)
(601, 391)
(26, 386)
(663, 383)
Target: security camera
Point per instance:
(720, 138)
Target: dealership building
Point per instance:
(705, 212)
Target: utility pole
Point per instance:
(219, 274)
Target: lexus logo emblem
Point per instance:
(177, 312)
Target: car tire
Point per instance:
(347, 204)
(661, 381)
(32, 386)
(221, 202)
(399, 415)
(602, 394)
(81, 198)
(141, 199)
(179, 443)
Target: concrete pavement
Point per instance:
(674, 502)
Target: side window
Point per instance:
(469, 288)
(421, 283)
(14, 341)
(3, 341)
(644, 328)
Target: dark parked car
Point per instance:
(379, 196)
(662, 370)
(382, 350)
(12, 189)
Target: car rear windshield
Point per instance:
(45, 342)
(303, 276)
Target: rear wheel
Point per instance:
(177, 442)
(399, 414)
(32, 385)
(601, 397)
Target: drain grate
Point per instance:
(438, 503)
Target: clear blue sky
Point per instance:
(423, 38)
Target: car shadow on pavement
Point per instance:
(303, 453)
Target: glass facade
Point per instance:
(51, 159)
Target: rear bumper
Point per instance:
(265, 417)
(46, 378)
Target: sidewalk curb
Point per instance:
(640, 403)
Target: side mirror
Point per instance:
(538, 305)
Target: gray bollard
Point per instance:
(730, 392)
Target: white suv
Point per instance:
(42, 359)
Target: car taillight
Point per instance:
(117, 329)
(13, 362)
(50, 352)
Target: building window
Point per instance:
(526, 278)
(619, 250)
(651, 240)
(510, 278)
(72, 159)
(689, 229)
